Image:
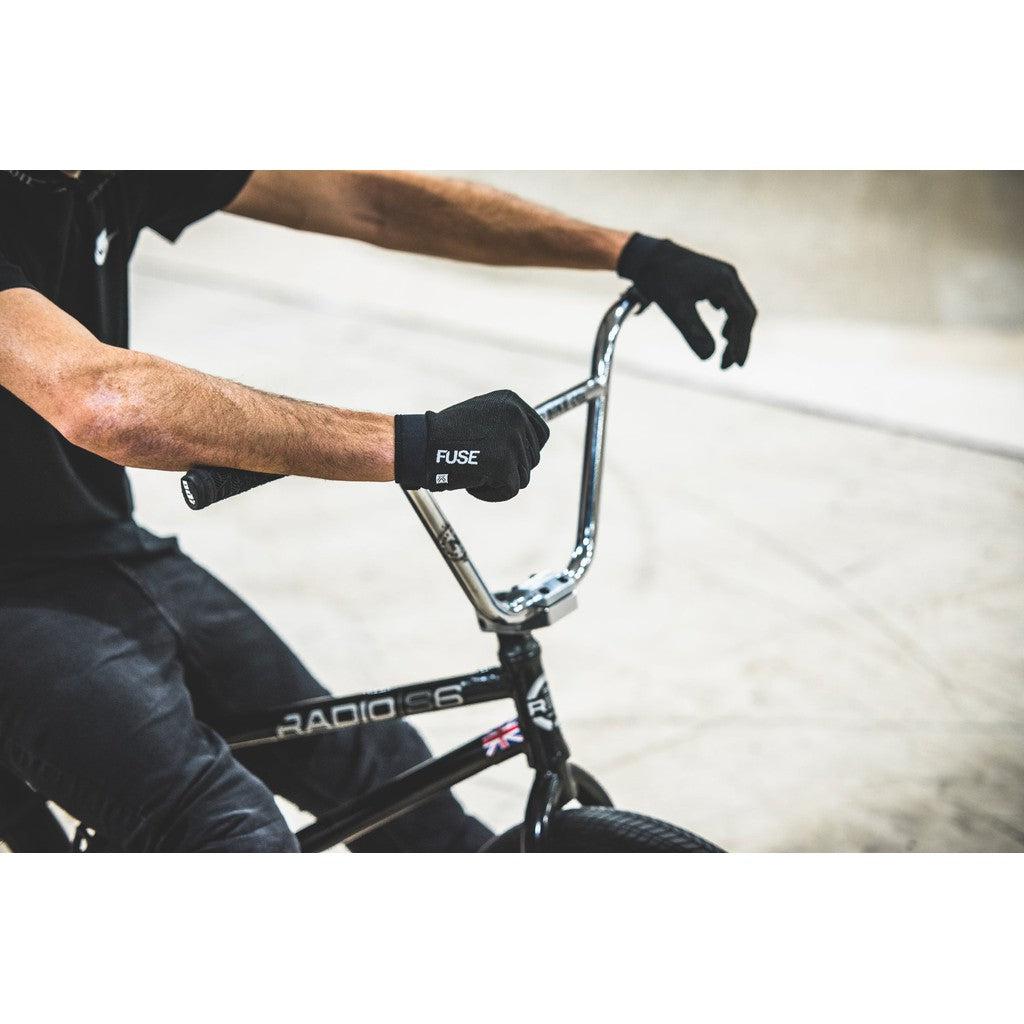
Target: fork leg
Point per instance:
(546, 796)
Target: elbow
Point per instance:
(98, 419)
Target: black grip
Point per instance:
(205, 485)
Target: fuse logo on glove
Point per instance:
(432, 449)
(463, 457)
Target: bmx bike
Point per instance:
(513, 615)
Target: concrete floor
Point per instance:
(803, 628)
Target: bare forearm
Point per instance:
(467, 221)
(154, 414)
(434, 216)
(139, 410)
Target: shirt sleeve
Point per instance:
(171, 200)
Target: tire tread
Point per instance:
(609, 830)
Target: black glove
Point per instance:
(487, 445)
(677, 279)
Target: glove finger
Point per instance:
(739, 304)
(692, 328)
(503, 492)
(728, 293)
(531, 449)
(738, 325)
(523, 465)
(737, 335)
(539, 428)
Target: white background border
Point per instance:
(552, 85)
(529, 85)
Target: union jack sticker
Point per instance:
(502, 738)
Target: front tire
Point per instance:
(607, 830)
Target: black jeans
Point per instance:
(110, 671)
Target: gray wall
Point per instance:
(925, 247)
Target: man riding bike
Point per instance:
(116, 649)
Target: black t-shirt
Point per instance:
(71, 240)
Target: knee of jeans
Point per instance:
(224, 808)
(229, 829)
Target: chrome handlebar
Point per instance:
(541, 600)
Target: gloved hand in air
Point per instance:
(677, 279)
(486, 445)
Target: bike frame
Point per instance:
(513, 615)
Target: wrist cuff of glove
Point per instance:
(411, 451)
(635, 255)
